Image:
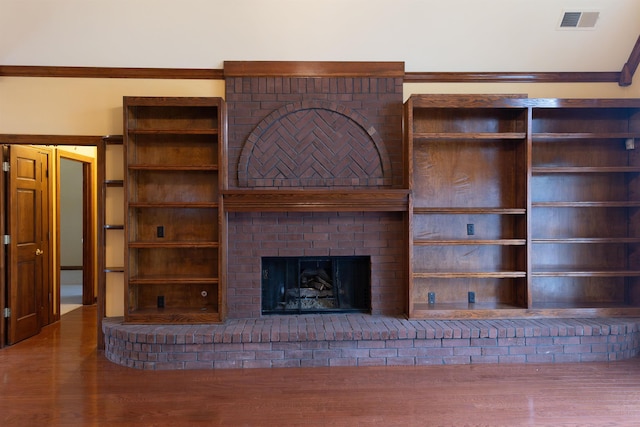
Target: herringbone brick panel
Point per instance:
(311, 145)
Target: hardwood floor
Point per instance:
(59, 379)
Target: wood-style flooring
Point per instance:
(59, 379)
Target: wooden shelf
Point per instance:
(581, 305)
(617, 204)
(563, 136)
(586, 240)
(173, 132)
(471, 274)
(585, 273)
(173, 205)
(584, 169)
(468, 211)
(172, 168)
(465, 306)
(461, 311)
(173, 245)
(172, 280)
(481, 136)
(499, 242)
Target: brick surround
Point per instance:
(316, 132)
(257, 235)
(363, 340)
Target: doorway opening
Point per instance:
(74, 231)
(74, 207)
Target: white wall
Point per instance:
(429, 35)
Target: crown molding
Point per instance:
(519, 77)
(327, 69)
(111, 72)
(20, 139)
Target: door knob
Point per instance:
(39, 252)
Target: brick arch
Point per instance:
(314, 144)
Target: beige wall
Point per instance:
(70, 197)
(70, 106)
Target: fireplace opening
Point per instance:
(294, 285)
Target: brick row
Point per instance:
(361, 340)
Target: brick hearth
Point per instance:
(364, 340)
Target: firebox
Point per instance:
(294, 285)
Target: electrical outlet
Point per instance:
(160, 231)
(472, 297)
(471, 230)
(432, 297)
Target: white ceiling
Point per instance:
(428, 35)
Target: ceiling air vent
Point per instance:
(579, 19)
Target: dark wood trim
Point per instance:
(568, 77)
(101, 299)
(112, 72)
(70, 267)
(88, 140)
(312, 69)
(326, 69)
(4, 156)
(630, 67)
(88, 237)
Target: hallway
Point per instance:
(59, 379)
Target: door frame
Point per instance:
(88, 238)
(39, 140)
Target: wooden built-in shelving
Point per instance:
(532, 205)
(174, 153)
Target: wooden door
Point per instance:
(27, 253)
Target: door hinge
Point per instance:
(6, 239)
(6, 166)
(7, 312)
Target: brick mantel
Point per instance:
(316, 201)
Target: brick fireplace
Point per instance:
(315, 169)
